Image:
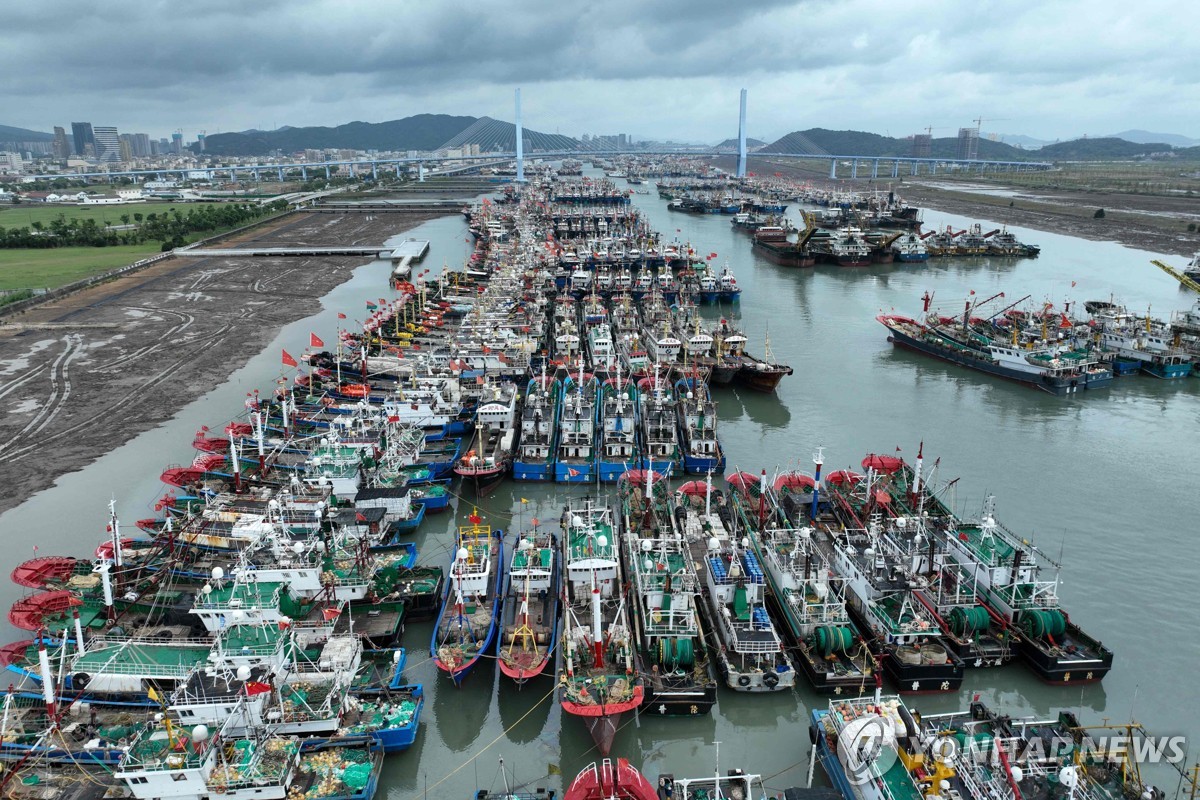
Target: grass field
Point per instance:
(24, 215)
(34, 269)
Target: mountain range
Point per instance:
(819, 141)
(431, 131)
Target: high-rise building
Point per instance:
(62, 150)
(83, 135)
(968, 144)
(141, 145)
(126, 140)
(108, 143)
(922, 145)
(177, 143)
(200, 141)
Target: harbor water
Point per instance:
(1106, 479)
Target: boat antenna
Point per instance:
(504, 774)
(717, 769)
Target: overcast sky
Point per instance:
(663, 69)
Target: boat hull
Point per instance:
(701, 465)
(574, 472)
(533, 471)
(1060, 388)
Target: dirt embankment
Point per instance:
(83, 374)
(1147, 222)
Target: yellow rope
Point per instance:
(502, 735)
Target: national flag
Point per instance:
(341, 315)
(256, 687)
(288, 360)
(315, 341)
(371, 306)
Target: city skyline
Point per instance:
(671, 71)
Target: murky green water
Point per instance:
(1108, 478)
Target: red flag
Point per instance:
(358, 515)
(315, 341)
(330, 614)
(341, 315)
(574, 473)
(254, 687)
(475, 519)
(288, 360)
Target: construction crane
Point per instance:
(1184, 280)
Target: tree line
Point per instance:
(170, 227)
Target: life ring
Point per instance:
(771, 679)
(743, 680)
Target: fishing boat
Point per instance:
(538, 444)
(607, 780)
(697, 415)
(529, 629)
(672, 652)
(602, 350)
(749, 651)
(807, 597)
(882, 562)
(1028, 356)
(728, 345)
(761, 375)
(390, 716)
(910, 248)
(866, 747)
(1013, 579)
(485, 465)
(659, 424)
(598, 681)
(729, 289)
(1148, 342)
(618, 449)
(473, 603)
(575, 460)
(172, 761)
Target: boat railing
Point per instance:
(754, 637)
(830, 612)
(671, 622)
(129, 659)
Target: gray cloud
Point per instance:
(669, 69)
